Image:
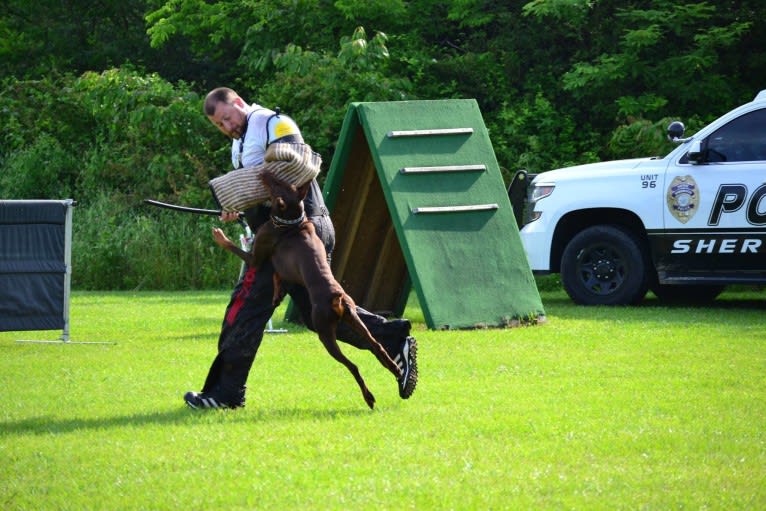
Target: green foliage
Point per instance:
(245, 33)
(118, 130)
(373, 12)
(641, 138)
(536, 137)
(632, 106)
(117, 245)
(663, 49)
(316, 89)
(105, 102)
(202, 22)
(42, 170)
(357, 52)
(45, 36)
(561, 10)
(29, 108)
(44, 130)
(152, 137)
(109, 140)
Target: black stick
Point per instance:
(197, 211)
(185, 209)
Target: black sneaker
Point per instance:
(402, 327)
(203, 400)
(407, 360)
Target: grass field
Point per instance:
(600, 408)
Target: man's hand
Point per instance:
(229, 216)
(221, 239)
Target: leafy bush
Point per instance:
(152, 137)
(109, 140)
(42, 170)
(316, 88)
(537, 137)
(640, 138)
(557, 82)
(119, 245)
(43, 129)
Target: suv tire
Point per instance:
(605, 265)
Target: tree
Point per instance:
(317, 87)
(68, 36)
(659, 57)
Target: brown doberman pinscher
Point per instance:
(299, 256)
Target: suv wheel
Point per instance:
(605, 265)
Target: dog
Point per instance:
(299, 256)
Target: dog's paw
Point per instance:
(369, 399)
(220, 237)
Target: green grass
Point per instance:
(600, 408)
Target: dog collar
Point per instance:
(285, 222)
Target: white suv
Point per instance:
(684, 225)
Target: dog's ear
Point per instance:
(268, 180)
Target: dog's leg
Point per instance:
(276, 298)
(352, 319)
(224, 242)
(331, 345)
(326, 329)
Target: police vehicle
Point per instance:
(684, 226)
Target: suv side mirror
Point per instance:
(676, 130)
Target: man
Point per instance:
(252, 128)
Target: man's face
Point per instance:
(230, 118)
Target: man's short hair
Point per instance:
(218, 95)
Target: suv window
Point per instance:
(743, 139)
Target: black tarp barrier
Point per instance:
(35, 254)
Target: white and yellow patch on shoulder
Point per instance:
(282, 126)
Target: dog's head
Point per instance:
(286, 199)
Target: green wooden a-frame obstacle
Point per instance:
(417, 199)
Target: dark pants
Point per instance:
(250, 309)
